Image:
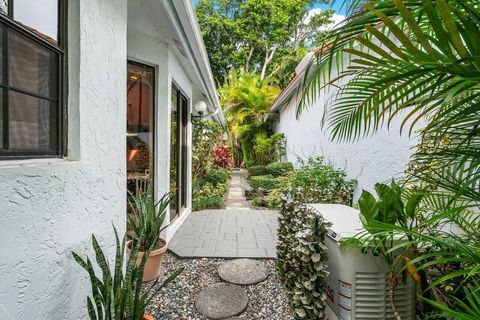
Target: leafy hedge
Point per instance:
(322, 182)
(278, 169)
(216, 176)
(209, 202)
(257, 171)
(263, 182)
(211, 193)
(302, 255)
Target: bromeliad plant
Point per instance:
(117, 294)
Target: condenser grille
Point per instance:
(371, 297)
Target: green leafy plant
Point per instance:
(263, 182)
(278, 169)
(205, 136)
(302, 256)
(414, 61)
(462, 309)
(216, 176)
(209, 196)
(321, 182)
(117, 293)
(246, 100)
(147, 218)
(209, 202)
(257, 171)
(268, 149)
(389, 208)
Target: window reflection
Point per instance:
(39, 15)
(140, 101)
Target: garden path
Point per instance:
(235, 232)
(236, 193)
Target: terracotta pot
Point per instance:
(153, 266)
(146, 316)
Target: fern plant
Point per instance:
(117, 294)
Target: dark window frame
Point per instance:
(183, 120)
(153, 116)
(7, 23)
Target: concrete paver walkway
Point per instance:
(230, 233)
(236, 193)
(235, 232)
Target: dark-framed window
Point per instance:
(178, 151)
(32, 63)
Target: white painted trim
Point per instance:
(182, 14)
(175, 225)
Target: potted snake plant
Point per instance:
(118, 294)
(146, 224)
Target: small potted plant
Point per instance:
(117, 293)
(146, 225)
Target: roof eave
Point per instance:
(182, 13)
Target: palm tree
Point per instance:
(417, 60)
(246, 100)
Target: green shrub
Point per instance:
(274, 198)
(216, 176)
(209, 196)
(210, 202)
(268, 149)
(263, 182)
(278, 169)
(302, 255)
(259, 202)
(322, 183)
(257, 171)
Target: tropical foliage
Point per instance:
(211, 161)
(117, 293)
(147, 218)
(205, 137)
(268, 37)
(417, 61)
(302, 256)
(390, 208)
(246, 100)
(320, 182)
(222, 157)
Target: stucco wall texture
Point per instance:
(49, 208)
(376, 158)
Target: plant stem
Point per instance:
(392, 284)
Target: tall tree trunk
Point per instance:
(392, 284)
(268, 59)
(248, 58)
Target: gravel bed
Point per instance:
(267, 300)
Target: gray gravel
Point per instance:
(267, 300)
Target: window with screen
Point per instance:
(31, 64)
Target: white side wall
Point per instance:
(147, 46)
(373, 159)
(50, 208)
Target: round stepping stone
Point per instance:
(221, 301)
(243, 272)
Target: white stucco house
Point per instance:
(96, 98)
(377, 158)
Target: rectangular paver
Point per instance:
(227, 233)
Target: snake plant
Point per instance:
(147, 218)
(117, 294)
